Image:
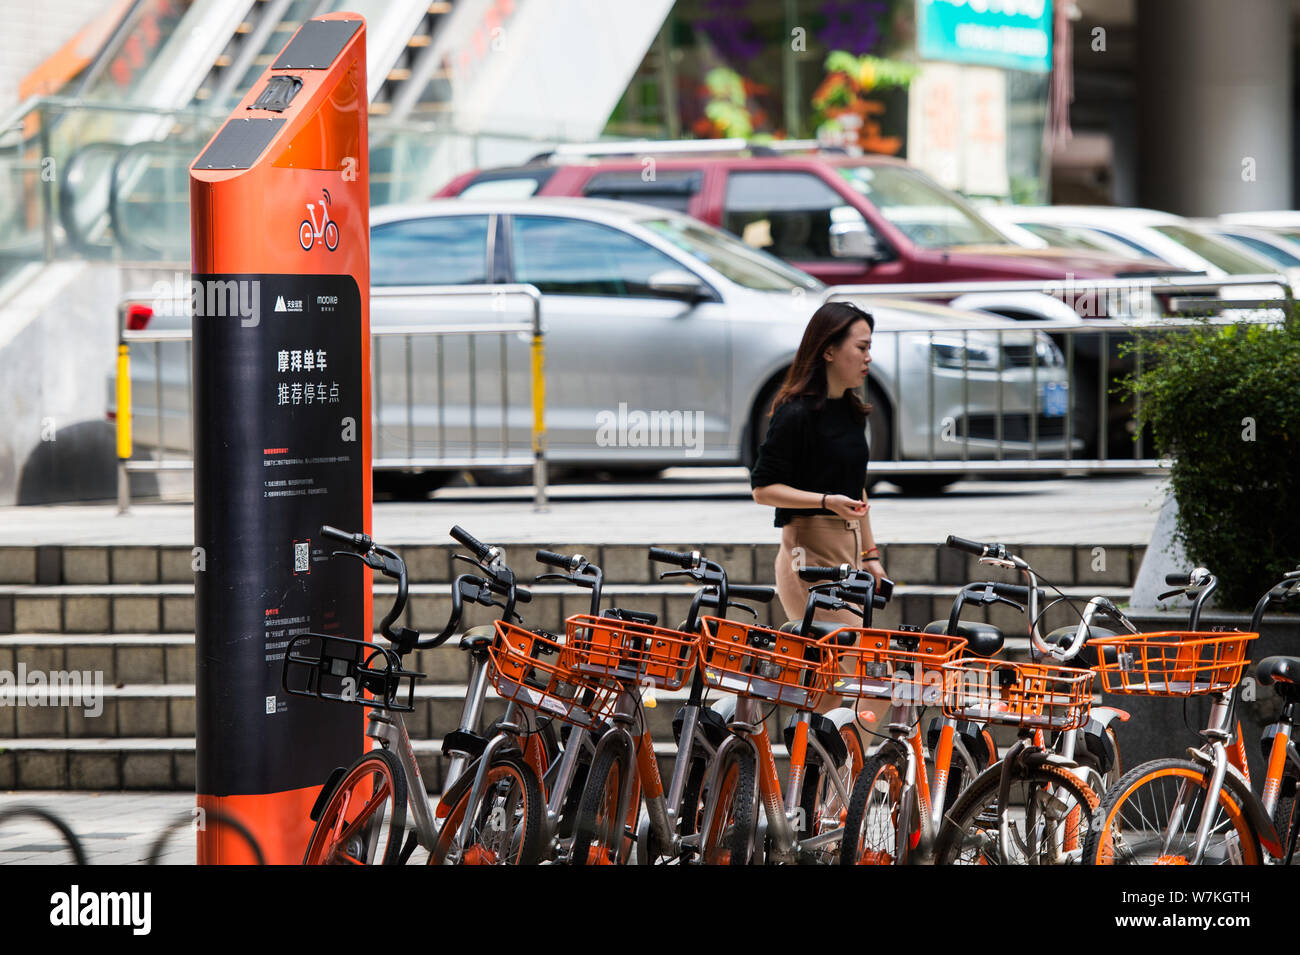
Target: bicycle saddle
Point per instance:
(476, 638)
(982, 639)
(819, 629)
(1282, 672)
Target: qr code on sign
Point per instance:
(301, 556)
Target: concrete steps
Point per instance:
(126, 614)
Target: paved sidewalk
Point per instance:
(685, 507)
(116, 828)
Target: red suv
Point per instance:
(845, 219)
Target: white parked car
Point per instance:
(1158, 235)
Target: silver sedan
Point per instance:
(665, 339)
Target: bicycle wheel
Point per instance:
(506, 825)
(824, 808)
(599, 836)
(871, 835)
(363, 822)
(66, 833)
(1286, 817)
(1151, 817)
(732, 811)
(1049, 813)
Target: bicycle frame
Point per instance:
(1225, 755)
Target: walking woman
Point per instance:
(812, 466)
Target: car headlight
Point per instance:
(958, 354)
(1048, 353)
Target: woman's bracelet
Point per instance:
(872, 554)
(824, 501)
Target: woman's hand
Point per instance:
(846, 507)
(876, 568)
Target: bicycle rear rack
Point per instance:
(346, 670)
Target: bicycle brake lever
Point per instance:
(693, 574)
(997, 598)
(376, 564)
(1169, 593)
(731, 605)
(541, 577)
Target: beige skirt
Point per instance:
(815, 541)
(824, 541)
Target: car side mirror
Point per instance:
(678, 283)
(853, 240)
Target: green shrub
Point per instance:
(1223, 402)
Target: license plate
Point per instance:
(1053, 398)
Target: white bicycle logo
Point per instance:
(307, 231)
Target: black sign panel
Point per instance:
(239, 144)
(316, 45)
(278, 453)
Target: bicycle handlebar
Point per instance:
(969, 546)
(813, 574)
(479, 549)
(357, 541)
(681, 559)
(751, 592)
(1178, 580)
(552, 559)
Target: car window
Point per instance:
(1067, 237)
(928, 214)
(1267, 249)
(788, 214)
(572, 257)
(733, 259)
(669, 189)
(1136, 246)
(1217, 253)
(443, 250)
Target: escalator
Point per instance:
(99, 169)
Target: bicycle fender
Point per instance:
(326, 791)
(1259, 820)
(1105, 715)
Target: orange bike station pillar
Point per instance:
(280, 212)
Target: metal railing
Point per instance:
(504, 455)
(1091, 366)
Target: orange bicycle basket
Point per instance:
(905, 666)
(528, 668)
(1032, 695)
(630, 652)
(1172, 662)
(764, 664)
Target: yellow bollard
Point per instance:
(124, 402)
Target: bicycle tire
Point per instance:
(508, 820)
(1049, 794)
(1130, 823)
(820, 799)
(1286, 816)
(599, 832)
(733, 810)
(379, 782)
(870, 839)
(64, 830)
(211, 818)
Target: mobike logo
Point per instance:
(328, 231)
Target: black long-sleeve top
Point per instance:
(821, 450)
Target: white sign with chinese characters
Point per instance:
(957, 127)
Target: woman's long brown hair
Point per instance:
(828, 327)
